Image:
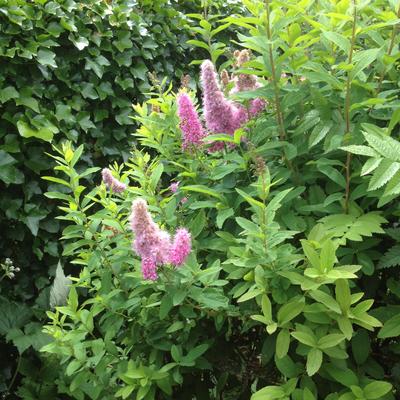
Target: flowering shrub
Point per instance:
(244, 255)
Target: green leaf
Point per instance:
(305, 338)
(8, 93)
(314, 361)
(176, 353)
(361, 150)
(391, 258)
(223, 215)
(202, 189)
(26, 131)
(326, 300)
(339, 40)
(269, 393)
(196, 352)
(383, 173)
(290, 310)
(376, 390)
(282, 343)
(343, 295)
(391, 328)
(266, 307)
(156, 176)
(328, 257)
(249, 295)
(346, 377)
(330, 340)
(362, 60)
(46, 57)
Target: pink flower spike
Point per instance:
(192, 130)
(184, 200)
(149, 269)
(111, 182)
(150, 241)
(174, 187)
(220, 114)
(181, 247)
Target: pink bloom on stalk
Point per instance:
(181, 247)
(151, 243)
(149, 269)
(184, 200)
(256, 106)
(221, 115)
(174, 187)
(111, 182)
(192, 130)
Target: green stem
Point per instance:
(347, 108)
(389, 52)
(15, 374)
(279, 115)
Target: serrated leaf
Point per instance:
(391, 258)
(370, 165)
(383, 174)
(360, 150)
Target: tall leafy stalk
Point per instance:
(390, 49)
(347, 106)
(279, 114)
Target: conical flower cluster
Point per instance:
(221, 115)
(112, 183)
(192, 130)
(153, 244)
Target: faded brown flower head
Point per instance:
(185, 81)
(225, 78)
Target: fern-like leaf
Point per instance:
(349, 227)
(371, 165)
(383, 144)
(391, 258)
(383, 174)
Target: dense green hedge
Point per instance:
(69, 69)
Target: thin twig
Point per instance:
(347, 108)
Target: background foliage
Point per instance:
(292, 289)
(286, 294)
(69, 69)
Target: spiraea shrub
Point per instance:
(69, 69)
(248, 248)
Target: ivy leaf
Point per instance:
(26, 131)
(46, 57)
(8, 93)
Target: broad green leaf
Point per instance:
(290, 310)
(305, 338)
(377, 389)
(391, 328)
(314, 361)
(282, 343)
(330, 341)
